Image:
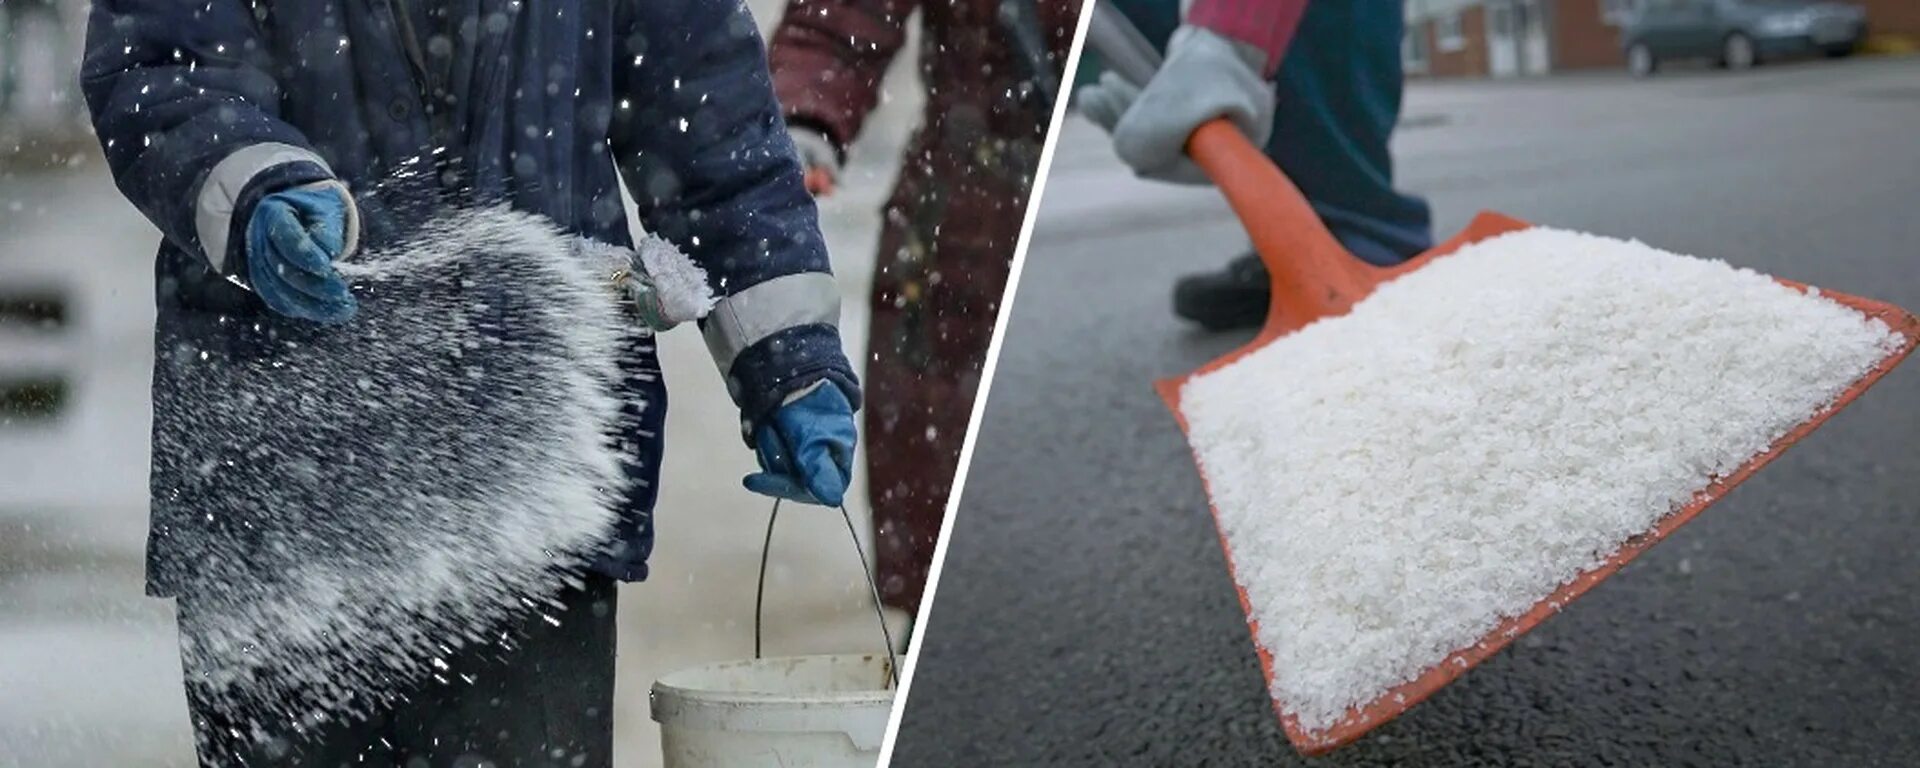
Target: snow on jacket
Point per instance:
(205, 108)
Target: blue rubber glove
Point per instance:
(292, 240)
(806, 449)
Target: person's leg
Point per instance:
(944, 258)
(1339, 95)
(542, 699)
(906, 394)
(223, 743)
(225, 739)
(541, 696)
(1339, 98)
(910, 462)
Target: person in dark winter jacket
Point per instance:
(267, 141)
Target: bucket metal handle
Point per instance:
(873, 589)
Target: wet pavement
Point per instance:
(1085, 615)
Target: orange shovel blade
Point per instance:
(1314, 277)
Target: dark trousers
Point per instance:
(546, 700)
(943, 261)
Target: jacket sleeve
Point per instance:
(705, 154)
(829, 57)
(188, 116)
(1267, 25)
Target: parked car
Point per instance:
(1738, 34)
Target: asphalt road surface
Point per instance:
(1085, 615)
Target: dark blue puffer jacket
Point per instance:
(205, 107)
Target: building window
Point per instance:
(1413, 49)
(27, 316)
(1500, 18)
(1447, 33)
(1618, 12)
(31, 399)
(31, 311)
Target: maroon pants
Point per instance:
(943, 262)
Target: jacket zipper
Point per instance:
(410, 41)
(432, 89)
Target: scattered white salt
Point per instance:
(411, 480)
(1395, 482)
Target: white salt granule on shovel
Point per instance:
(1395, 482)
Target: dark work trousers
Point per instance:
(545, 701)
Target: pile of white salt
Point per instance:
(1395, 482)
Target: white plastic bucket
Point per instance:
(792, 712)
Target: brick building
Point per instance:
(1506, 38)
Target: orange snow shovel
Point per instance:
(1314, 277)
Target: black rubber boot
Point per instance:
(1231, 298)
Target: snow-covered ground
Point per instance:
(88, 671)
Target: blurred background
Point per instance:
(1512, 38)
(89, 672)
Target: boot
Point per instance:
(1231, 298)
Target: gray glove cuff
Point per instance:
(659, 284)
(351, 237)
(815, 150)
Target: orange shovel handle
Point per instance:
(1313, 274)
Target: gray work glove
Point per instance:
(1205, 76)
(818, 159)
(660, 284)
